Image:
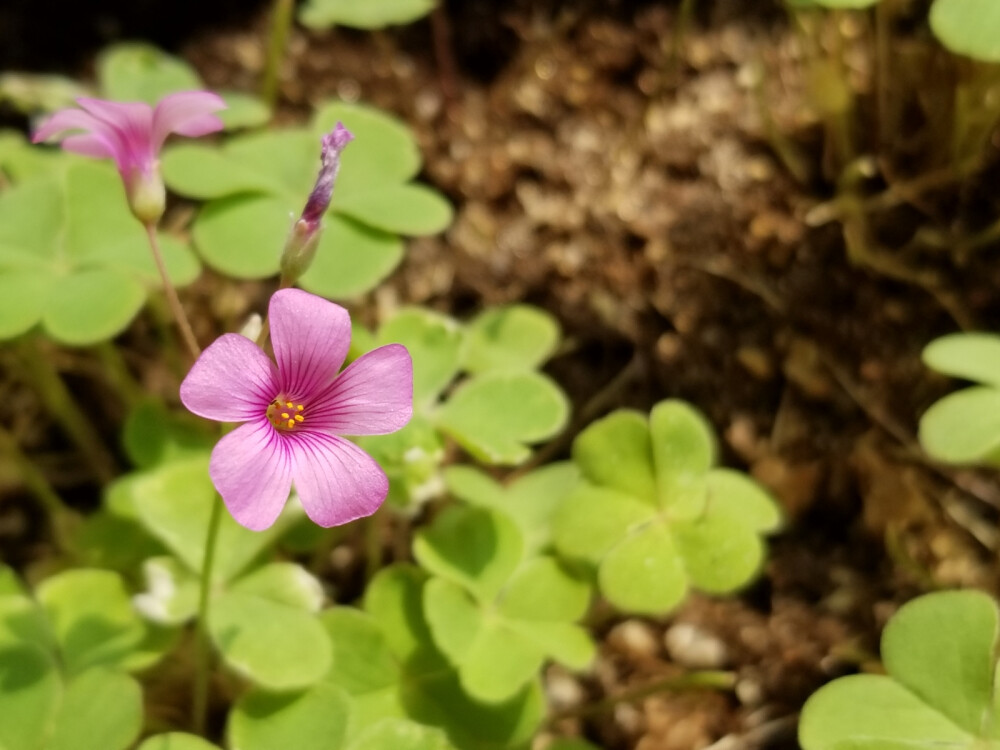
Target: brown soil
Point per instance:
(636, 196)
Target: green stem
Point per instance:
(180, 317)
(281, 24)
(118, 373)
(59, 402)
(61, 519)
(707, 680)
(202, 651)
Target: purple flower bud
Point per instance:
(300, 248)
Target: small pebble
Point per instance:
(692, 647)
(635, 638)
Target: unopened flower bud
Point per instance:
(300, 247)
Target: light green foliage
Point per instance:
(263, 621)
(530, 500)
(495, 414)
(940, 652)
(20, 159)
(151, 435)
(74, 259)
(312, 720)
(374, 14)
(964, 427)
(654, 517)
(386, 660)
(255, 184)
(833, 4)
(31, 93)
(135, 71)
(177, 741)
(61, 659)
(496, 614)
(517, 337)
(968, 27)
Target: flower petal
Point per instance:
(89, 144)
(132, 122)
(251, 467)
(373, 396)
(232, 381)
(186, 113)
(68, 119)
(336, 480)
(310, 336)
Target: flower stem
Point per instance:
(281, 23)
(48, 383)
(201, 647)
(118, 374)
(181, 318)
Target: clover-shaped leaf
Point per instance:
(940, 655)
(73, 259)
(434, 342)
(518, 337)
(312, 720)
(496, 416)
(427, 688)
(135, 71)
(20, 160)
(173, 501)
(60, 684)
(398, 734)
(91, 617)
(257, 183)
(321, 14)
(964, 427)
(968, 27)
(654, 517)
(530, 500)
(177, 741)
(495, 615)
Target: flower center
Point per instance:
(285, 415)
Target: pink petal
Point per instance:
(232, 381)
(68, 119)
(251, 467)
(89, 145)
(336, 480)
(186, 113)
(373, 396)
(132, 122)
(310, 336)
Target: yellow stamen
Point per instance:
(299, 418)
(291, 423)
(284, 415)
(299, 407)
(289, 404)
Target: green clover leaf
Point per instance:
(135, 71)
(74, 260)
(496, 615)
(968, 27)
(654, 517)
(321, 14)
(940, 653)
(964, 427)
(386, 659)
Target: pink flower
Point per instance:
(295, 413)
(132, 133)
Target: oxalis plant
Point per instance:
(192, 609)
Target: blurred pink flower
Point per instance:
(132, 133)
(295, 413)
